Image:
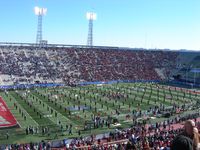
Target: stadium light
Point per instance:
(90, 16)
(40, 12)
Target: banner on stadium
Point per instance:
(118, 81)
(195, 70)
(6, 117)
(21, 86)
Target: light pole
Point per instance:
(90, 16)
(40, 12)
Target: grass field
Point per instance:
(54, 108)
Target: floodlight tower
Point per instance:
(40, 12)
(90, 16)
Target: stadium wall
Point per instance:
(26, 86)
(23, 86)
(118, 81)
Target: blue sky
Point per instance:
(173, 24)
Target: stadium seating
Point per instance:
(73, 65)
(29, 65)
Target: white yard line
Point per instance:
(25, 111)
(58, 113)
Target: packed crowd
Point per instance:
(142, 136)
(30, 65)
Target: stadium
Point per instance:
(57, 96)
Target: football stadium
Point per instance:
(59, 96)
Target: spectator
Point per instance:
(196, 139)
(184, 141)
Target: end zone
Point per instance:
(6, 117)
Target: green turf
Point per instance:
(49, 106)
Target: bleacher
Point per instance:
(29, 64)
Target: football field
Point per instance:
(67, 112)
